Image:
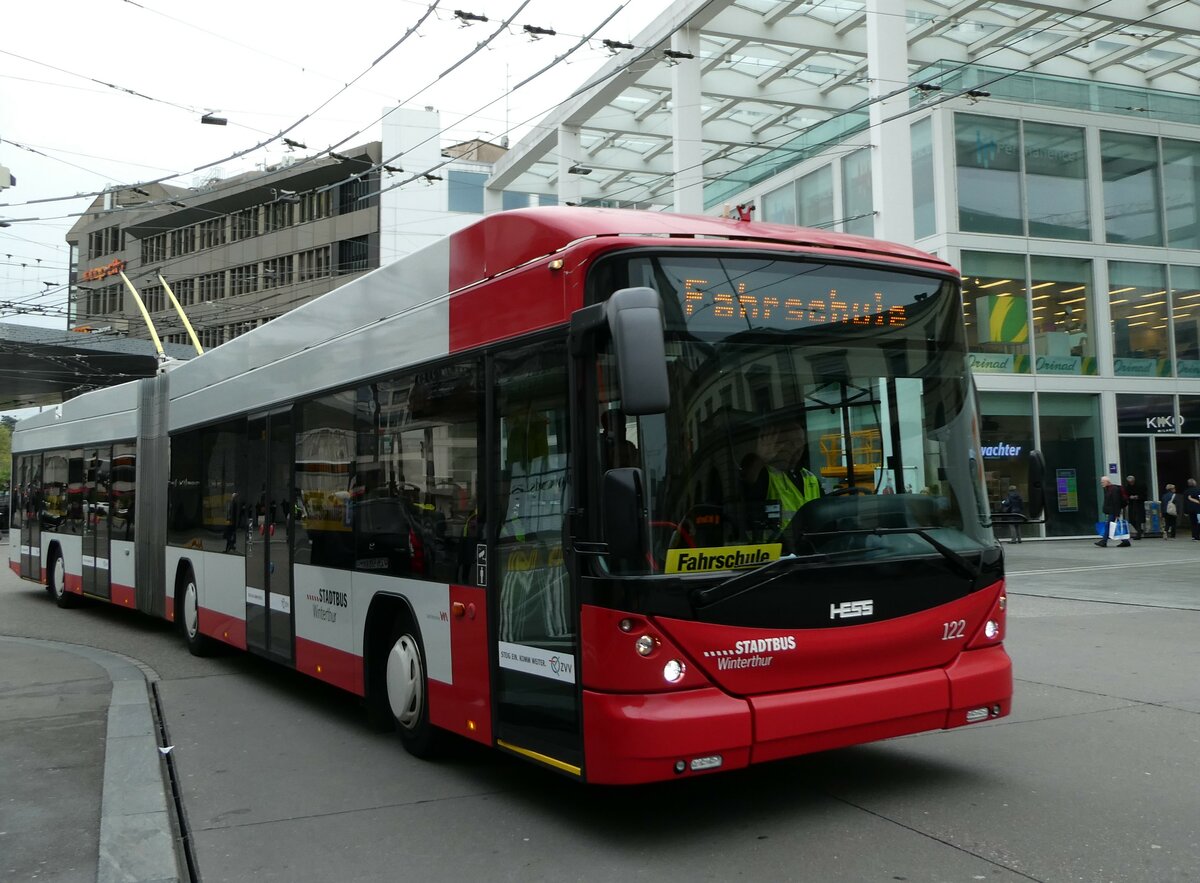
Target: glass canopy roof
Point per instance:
(784, 79)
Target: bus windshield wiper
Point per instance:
(960, 563)
(751, 579)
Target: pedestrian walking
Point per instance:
(1191, 507)
(1170, 511)
(1135, 498)
(1013, 504)
(1112, 504)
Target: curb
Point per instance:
(137, 841)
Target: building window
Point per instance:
(277, 271)
(988, 157)
(112, 299)
(314, 206)
(352, 255)
(779, 206)
(1059, 291)
(1185, 313)
(243, 224)
(1132, 213)
(106, 241)
(185, 292)
(1056, 181)
(243, 280)
(154, 298)
(154, 249)
(211, 286)
(465, 191)
(857, 214)
(312, 264)
(1181, 184)
(996, 312)
(1137, 297)
(814, 196)
(1006, 437)
(183, 241)
(511, 199)
(351, 195)
(211, 233)
(208, 337)
(277, 216)
(924, 209)
(1070, 440)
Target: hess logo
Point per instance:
(851, 609)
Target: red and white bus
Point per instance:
(631, 495)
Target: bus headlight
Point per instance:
(645, 645)
(674, 671)
(992, 629)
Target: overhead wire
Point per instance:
(271, 139)
(856, 108)
(384, 164)
(162, 179)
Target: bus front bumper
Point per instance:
(647, 737)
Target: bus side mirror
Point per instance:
(624, 514)
(1037, 485)
(635, 321)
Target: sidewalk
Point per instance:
(85, 791)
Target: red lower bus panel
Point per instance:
(14, 566)
(979, 679)
(72, 582)
(328, 664)
(223, 627)
(639, 737)
(464, 707)
(631, 738)
(123, 595)
(787, 724)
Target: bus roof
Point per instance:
(401, 310)
(504, 240)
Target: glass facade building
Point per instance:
(1074, 217)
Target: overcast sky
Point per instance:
(97, 93)
(263, 67)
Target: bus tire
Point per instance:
(56, 581)
(407, 690)
(187, 602)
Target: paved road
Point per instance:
(1095, 776)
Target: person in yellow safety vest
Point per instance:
(774, 472)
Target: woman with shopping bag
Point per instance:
(1170, 512)
(1113, 503)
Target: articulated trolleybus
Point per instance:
(631, 495)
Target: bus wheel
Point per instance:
(56, 581)
(408, 691)
(187, 602)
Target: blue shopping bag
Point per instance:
(1119, 529)
(1102, 529)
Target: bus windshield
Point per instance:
(817, 409)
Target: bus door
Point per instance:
(96, 500)
(270, 504)
(26, 502)
(531, 593)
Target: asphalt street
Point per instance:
(1094, 777)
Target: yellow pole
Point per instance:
(179, 309)
(137, 298)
